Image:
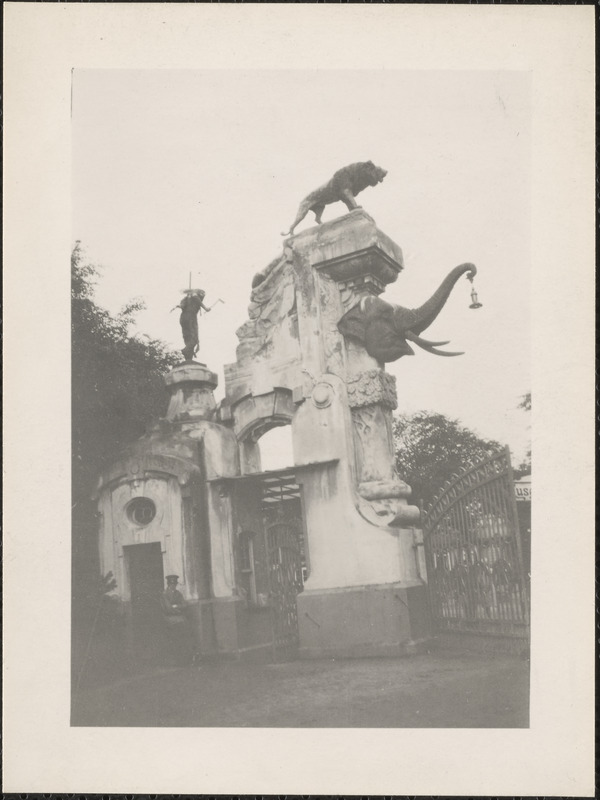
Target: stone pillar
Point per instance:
(364, 594)
(337, 265)
(192, 410)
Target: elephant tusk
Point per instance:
(418, 340)
(442, 352)
(430, 349)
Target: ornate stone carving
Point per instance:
(379, 486)
(349, 295)
(345, 185)
(370, 387)
(365, 420)
(273, 299)
(333, 342)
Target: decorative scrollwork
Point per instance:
(495, 466)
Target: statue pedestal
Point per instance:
(191, 386)
(352, 251)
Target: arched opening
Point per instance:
(257, 419)
(276, 451)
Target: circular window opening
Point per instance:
(141, 511)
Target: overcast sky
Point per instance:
(188, 171)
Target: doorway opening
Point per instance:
(146, 578)
(146, 583)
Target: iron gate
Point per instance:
(284, 560)
(473, 551)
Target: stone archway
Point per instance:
(253, 416)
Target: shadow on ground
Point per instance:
(436, 690)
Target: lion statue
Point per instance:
(345, 185)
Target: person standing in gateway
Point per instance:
(181, 641)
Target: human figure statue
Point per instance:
(181, 640)
(190, 306)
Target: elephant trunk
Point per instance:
(425, 314)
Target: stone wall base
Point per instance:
(227, 628)
(380, 620)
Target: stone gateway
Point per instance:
(323, 558)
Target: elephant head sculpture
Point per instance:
(385, 329)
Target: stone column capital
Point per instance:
(370, 387)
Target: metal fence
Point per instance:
(474, 558)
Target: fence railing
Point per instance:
(473, 549)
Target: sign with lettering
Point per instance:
(523, 491)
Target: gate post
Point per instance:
(364, 594)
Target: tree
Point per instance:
(117, 389)
(431, 448)
(525, 403)
(524, 467)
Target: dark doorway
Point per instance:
(146, 579)
(146, 582)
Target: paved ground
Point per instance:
(437, 690)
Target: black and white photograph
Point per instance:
(316, 410)
(325, 480)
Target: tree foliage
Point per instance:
(525, 403)
(117, 389)
(524, 467)
(431, 448)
